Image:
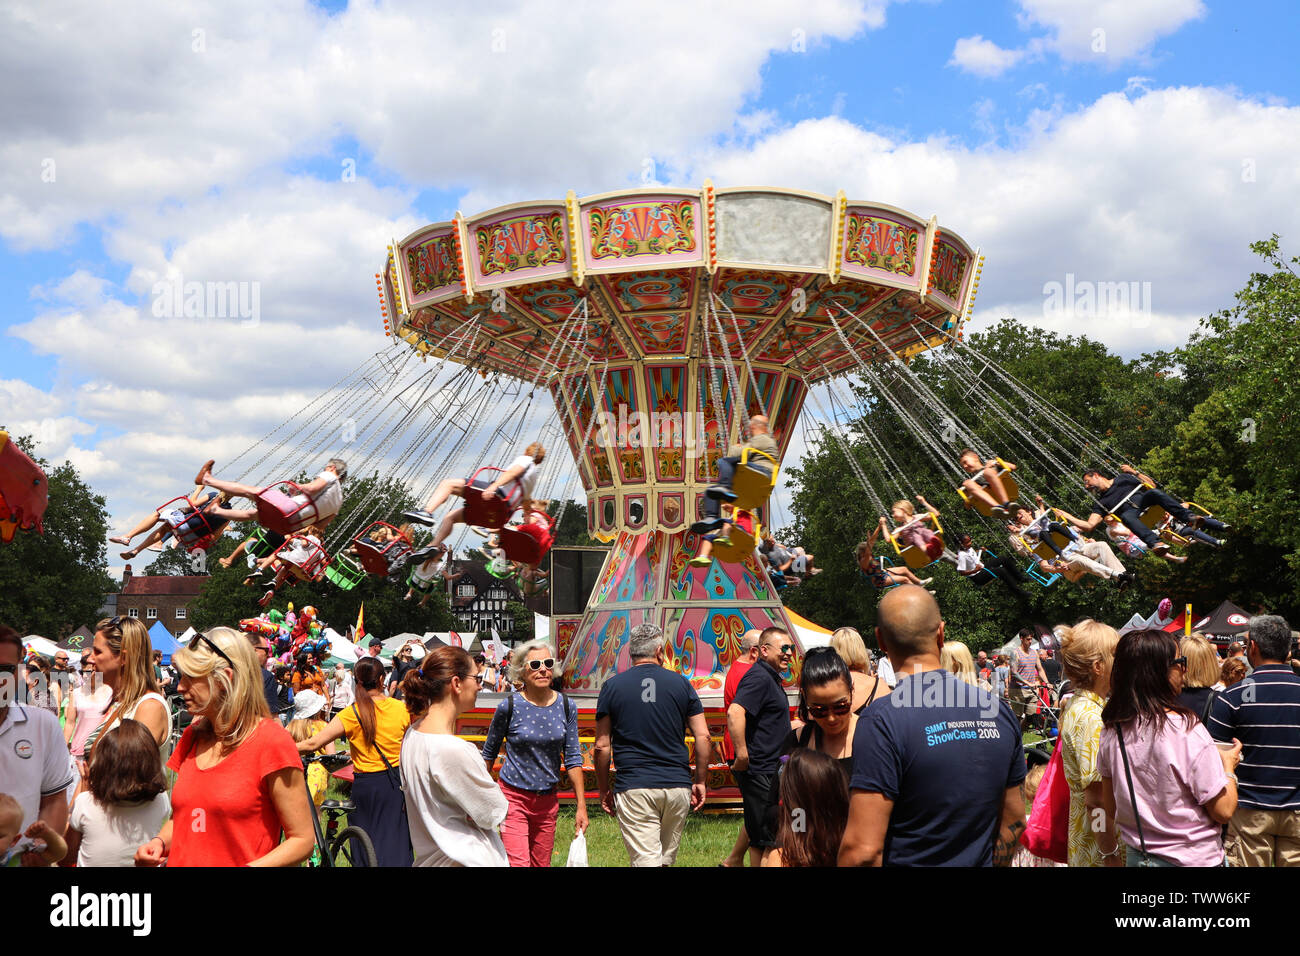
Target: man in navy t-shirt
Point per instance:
(938, 766)
(642, 718)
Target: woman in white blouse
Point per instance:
(453, 805)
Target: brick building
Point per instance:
(159, 597)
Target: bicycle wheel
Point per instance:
(352, 847)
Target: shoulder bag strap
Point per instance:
(1209, 702)
(393, 775)
(1132, 794)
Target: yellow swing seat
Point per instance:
(913, 556)
(1009, 485)
(755, 479)
(742, 542)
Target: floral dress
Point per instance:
(1080, 746)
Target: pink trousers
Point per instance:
(529, 828)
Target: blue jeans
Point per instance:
(712, 508)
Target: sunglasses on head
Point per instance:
(839, 708)
(194, 643)
(537, 664)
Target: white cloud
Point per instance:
(1111, 31)
(983, 57)
(1152, 189)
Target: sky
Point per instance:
(282, 146)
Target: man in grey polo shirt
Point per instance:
(1263, 712)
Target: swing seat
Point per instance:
(489, 514)
(1041, 549)
(754, 480)
(310, 568)
(259, 544)
(344, 572)
(24, 491)
(284, 513)
(192, 528)
(377, 557)
(529, 542)
(885, 563)
(745, 534)
(914, 557)
(1009, 485)
(1046, 580)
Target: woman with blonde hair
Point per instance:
(955, 656)
(239, 780)
(1087, 652)
(848, 643)
(539, 728)
(1202, 673)
(123, 656)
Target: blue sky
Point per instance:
(218, 156)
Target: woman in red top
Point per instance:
(239, 778)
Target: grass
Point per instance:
(708, 838)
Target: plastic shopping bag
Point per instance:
(578, 851)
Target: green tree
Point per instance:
(56, 581)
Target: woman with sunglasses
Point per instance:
(452, 802)
(239, 780)
(87, 707)
(540, 730)
(123, 655)
(374, 725)
(1163, 780)
(826, 717)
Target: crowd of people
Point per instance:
(1171, 756)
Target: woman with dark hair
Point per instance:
(454, 805)
(374, 726)
(1163, 779)
(814, 811)
(826, 717)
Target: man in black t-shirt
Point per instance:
(642, 716)
(1124, 497)
(938, 765)
(759, 722)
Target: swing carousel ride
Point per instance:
(644, 330)
(661, 321)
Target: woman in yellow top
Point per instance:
(1087, 652)
(374, 726)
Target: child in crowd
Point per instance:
(814, 811)
(1023, 857)
(318, 778)
(11, 835)
(125, 800)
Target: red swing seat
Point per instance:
(529, 542)
(194, 531)
(280, 512)
(491, 514)
(377, 557)
(312, 567)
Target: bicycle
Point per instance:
(350, 846)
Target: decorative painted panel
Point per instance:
(668, 430)
(642, 228)
(622, 404)
(877, 243)
(431, 264)
(655, 291)
(716, 426)
(718, 582)
(792, 396)
(521, 243)
(659, 334)
(672, 510)
(948, 273)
